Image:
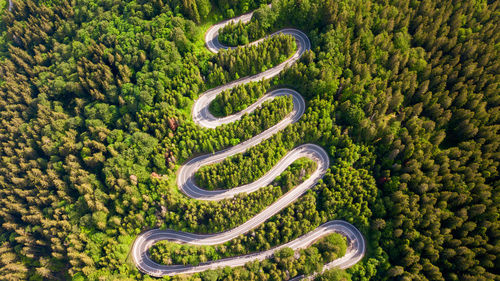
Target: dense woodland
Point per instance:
(330, 247)
(95, 101)
(238, 98)
(250, 60)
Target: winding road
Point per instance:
(186, 183)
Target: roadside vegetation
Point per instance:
(233, 64)
(243, 168)
(285, 264)
(329, 248)
(95, 100)
(238, 33)
(4, 5)
(238, 98)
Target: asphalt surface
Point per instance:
(186, 183)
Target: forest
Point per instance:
(238, 98)
(165, 252)
(95, 113)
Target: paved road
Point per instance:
(11, 5)
(185, 178)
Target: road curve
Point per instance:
(201, 113)
(186, 183)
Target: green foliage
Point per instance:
(3, 6)
(196, 10)
(236, 99)
(95, 101)
(235, 34)
(243, 168)
(196, 140)
(310, 260)
(333, 275)
(332, 247)
(232, 64)
(165, 252)
(231, 8)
